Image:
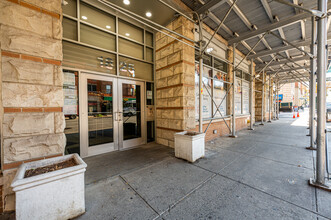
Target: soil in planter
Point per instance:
(190, 134)
(50, 168)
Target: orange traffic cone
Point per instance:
(298, 114)
(293, 114)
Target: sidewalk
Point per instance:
(262, 174)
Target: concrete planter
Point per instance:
(55, 195)
(189, 145)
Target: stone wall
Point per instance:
(258, 99)
(175, 96)
(31, 95)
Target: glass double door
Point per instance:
(112, 114)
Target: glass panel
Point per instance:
(82, 57)
(150, 131)
(245, 89)
(207, 72)
(150, 93)
(130, 48)
(237, 97)
(221, 65)
(131, 111)
(149, 54)
(247, 77)
(130, 31)
(136, 69)
(219, 94)
(97, 17)
(70, 8)
(220, 75)
(149, 39)
(100, 112)
(97, 38)
(70, 111)
(69, 29)
(206, 59)
(238, 73)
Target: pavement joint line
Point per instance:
(173, 205)
(244, 153)
(145, 201)
(130, 171)
(252, 187)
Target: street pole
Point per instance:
(321, 98)
(312, 85)
(233, 92)
(251, 98)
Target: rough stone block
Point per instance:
(161, 63)
(167, 50)
(26, 19)
(174, 80)
(25, 148)
(167, 72)
(57, 28)
(25, 71)
(161, 43)
(59, 122)
(8, 176)
(20, 41)
(27, 95)
(161, 83)
(175, 57)
(162, 141)
(27, 124)
(58, 76)
(51, 5)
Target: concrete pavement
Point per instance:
(262, 174)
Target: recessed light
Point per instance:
(84, 17)
(127, 34)
(148, 14)
(209, 50)
(108, 27)
(126, 2)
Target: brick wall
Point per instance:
(175, 97)
(32, 121)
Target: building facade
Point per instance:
(79, 77)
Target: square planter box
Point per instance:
(189, 145)
(54, 195)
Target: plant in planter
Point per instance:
(50, 189)
(189, 145)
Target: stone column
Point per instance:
(175, 91)
(32, 122)
(258, 99)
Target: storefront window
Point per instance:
(70, 8)
(130, 31)
(242, 91)
(70, 111)
(135, 69)
(97, 17)
(69, 29)
(97, 38)
(130, 48)
(87, 58)
(237, 97)
(93, 46)
(245, 89)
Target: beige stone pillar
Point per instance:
(32, 122)
(175, 94)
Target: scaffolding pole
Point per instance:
(270, 100)
(251, 97)
(262, 103)
(233, 92)
(278, 100)
(319, 181)
(312, 85)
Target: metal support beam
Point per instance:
(312, 87)
(321, 99)
(270, 27)
(200, 76)
(311, 11)
(279, 49)
(303, 51)
(233, 92)
(283, 61)
(209, 6)
(278, 88)
(251, 96)
(287, 70)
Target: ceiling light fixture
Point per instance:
(126, 2)
(127, 34)
(149, 14)
(209, 49)
(108, 27)
(84, 17)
